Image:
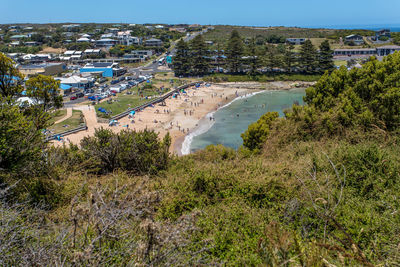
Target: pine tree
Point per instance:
(272, 59)
(325, 59)
(234, 52)
(198, 54)
(308, 58)
(289, 58)
(254, 60)
(181, 61)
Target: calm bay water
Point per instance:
(233, 119)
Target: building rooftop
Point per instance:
(38, 66)
(389, 47)
(356, 49)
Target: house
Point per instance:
(18, 37)
(68, 34)
(295, 41)
(90, 52)
(83, 40)
(125, 38)
(71, 27)
(85, 35)
(387, 50)
(31, 43)
(106, 43)
(77, 55)
(106, 69)
(107, 36)
(153, 42)
(15, 43)
(76, 81)
(379, 51)
(139, 55)
(112, 30)
(37, 58)
(159, 27)
(382, 33)
(354, 39)
(45, 69)
(177, 29)
(28, 101)
(14, 29)
(358, 52)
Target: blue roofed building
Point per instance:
(105, 69)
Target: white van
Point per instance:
(115, 89)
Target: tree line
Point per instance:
(238, 57)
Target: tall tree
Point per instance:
(325, 58)
(45, 91)
(198, 54)
(234, 52)
(289, 58)
(10, 78)
(272, 58)
(181, 61)
(254, 59)
(308, 58)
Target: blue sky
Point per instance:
(235, 12)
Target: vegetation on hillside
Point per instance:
(319, 187)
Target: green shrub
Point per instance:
(138, 152)
(256, 135)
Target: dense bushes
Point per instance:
(138, 152)
(360, 97)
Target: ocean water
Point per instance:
(234, 118)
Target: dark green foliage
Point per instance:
(257, 133)
(368, 96)
(289, 58)
(181, 60)
(10, 78)
(272, 57)
(234, 52)
(254, 60)
(198, 56)
(308, 58)
(45, 91)
(325, 57)
(21, 141)
(138, 152)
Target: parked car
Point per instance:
(73, 97)
(114, 81)
(79, 95)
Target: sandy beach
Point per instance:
(179, 116)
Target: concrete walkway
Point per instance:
(69, 114)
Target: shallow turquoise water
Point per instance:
(233, 120)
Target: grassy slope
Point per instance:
(71, 123)
(225, 207)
